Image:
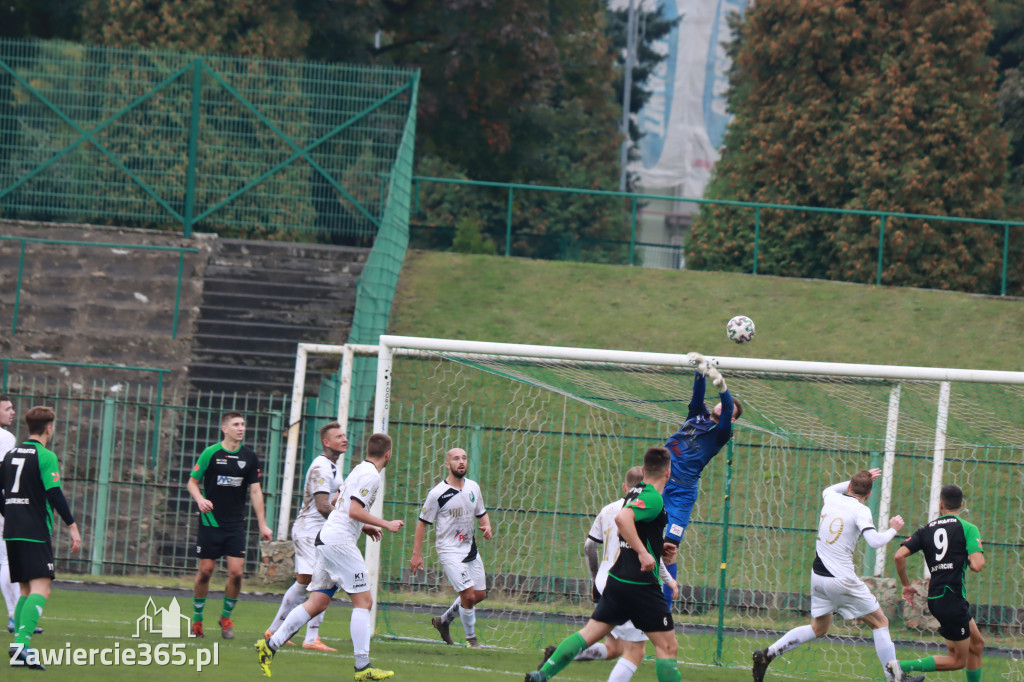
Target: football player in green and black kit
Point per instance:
(633, 591)
(29, 494)
(229, 472)
(950, 545)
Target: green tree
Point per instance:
(877, 106)
(1007, 47)
(41, 19)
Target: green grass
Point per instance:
(489, 298)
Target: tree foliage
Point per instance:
(871, 106)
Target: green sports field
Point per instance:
(96, 617)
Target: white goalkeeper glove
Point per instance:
(699, 361)
(717, 379)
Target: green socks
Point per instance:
(566, 651)
(198, 604)
(667, 669)
(229, 606)
(973, 675)
(17, 612)
(925, 665)
(28, 611)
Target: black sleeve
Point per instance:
(60, 504)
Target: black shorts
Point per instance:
(643, 604)
(954, 616)
(213, 543)
(29, 560)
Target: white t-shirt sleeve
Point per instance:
(479, 509)
(596, 532)
(428, 514)
(864, 520)
(320, 479)
(365, 488)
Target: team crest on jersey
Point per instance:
(241, 464)
(472, 497)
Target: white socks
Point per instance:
(359, 629)
(292, 623)
(884, 647)
(11, 591)
(791, 640)
(449, 615)
(313, 628)
(594, 652)
(295, 595)
(468, 617)
(622, 672)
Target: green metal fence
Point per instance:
(510, 212)
(257, 148)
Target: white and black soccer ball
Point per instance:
(740, 329)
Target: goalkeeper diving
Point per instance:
(692, 447)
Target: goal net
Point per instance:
(551, 431)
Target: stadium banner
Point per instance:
(684, 121)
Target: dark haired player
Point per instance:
(229, 472)
(697, 441)
(633, 591)
(950, 546)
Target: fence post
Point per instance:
(17, 289)
(1006, 256)
(476, 449)
(881, 240)
(632, 234)
(757, 234)
(177, 295)
(193, 147)
(873, 504)
(101, 502)
(725, 553)
(508, 224)
(273, 462)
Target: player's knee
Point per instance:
(203, 576)
(669, 648)
(977, 644)
(303, 579)
(614, 646)
(479, 596)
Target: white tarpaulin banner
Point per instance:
(684, 121)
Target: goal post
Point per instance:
(551, 430)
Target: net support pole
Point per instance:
(939, 455)
(381, 407)
(292, 446)
(888, 464)
(725, 554)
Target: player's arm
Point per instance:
(696, 405)
(256, 497)
(976, 555)
(358, 512)
(323, 504)
(667, 579)
(49, 473)
(976, 561)
(625, 521)
(198, 471)
(592, 552)
(485, 526)
(416, 562)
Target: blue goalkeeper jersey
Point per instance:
(698, 439)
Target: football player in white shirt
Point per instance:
(322, 483)
(11, 591)
(835, 585)
(339, 565)
(455, 504)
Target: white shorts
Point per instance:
(627, 632)
(305, 555)
(465, 575)
(339, 566)
(849, 596)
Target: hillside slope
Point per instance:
(490, 298)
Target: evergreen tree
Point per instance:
(876, 106)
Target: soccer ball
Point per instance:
(740, 329)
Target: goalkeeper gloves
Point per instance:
(717, 379)
(699, 361)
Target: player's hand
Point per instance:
(394, 525)
(896, 523)
(647, 562)
(909, 592)
(266, 533)
(373, 532)
(697, 360)
(675, 588)
(416, 563)
(205, 505)
(717, 379)
(875, 473)
(76, 538)
(487, 532)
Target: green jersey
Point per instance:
(650, 519)
(26, 473)
(226, 477)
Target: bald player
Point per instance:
(455, 504)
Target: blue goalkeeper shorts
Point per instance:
(679, 503)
